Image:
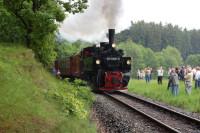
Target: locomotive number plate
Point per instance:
(112, 59)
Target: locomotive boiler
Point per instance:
(104, 66)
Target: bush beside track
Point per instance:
(32, 100)
(160, 93)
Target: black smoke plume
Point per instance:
(93, 24)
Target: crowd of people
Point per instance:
(186, 74)
(145, 74)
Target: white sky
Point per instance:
(183, 13)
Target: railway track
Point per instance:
(169, 119)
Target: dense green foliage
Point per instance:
(34, 22)
(193, 60)
(160, 93)
(159, 36)
(66, 49)
(143, 57)
(32, 100)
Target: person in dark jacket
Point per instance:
(169, 81)
(174, 82)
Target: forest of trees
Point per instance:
(159, 36)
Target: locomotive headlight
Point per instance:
(113, 45)
(128, 62)
(98, 61)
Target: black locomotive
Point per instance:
(102, 65)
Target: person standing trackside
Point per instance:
(160, 75)
(188, 81)
(138, 74)
(197, 78)
(58, 74)
(147, 74)
(150, 73)
(142, 74)
(169, 82)
(174, 82)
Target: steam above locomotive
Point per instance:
(103, 65)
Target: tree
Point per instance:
(195, 41)
(39, 17)
(36, 21)
(172, 57)
(9, 32)
(66, 49)
(149, 58)
(193, 60)
(160, 59)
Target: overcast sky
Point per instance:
(184, 13)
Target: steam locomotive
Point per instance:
(102, 65)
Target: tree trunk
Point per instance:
(28, 36)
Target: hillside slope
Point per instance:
(31, 100)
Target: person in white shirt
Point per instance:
(58, 73)
(138, 74)
(194, 72)
(142, 74)
(160, 72)
(197, 78)
(169, 72)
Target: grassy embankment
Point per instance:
(160, 93)
(33, 101)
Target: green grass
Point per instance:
(160, 93)
(32, 100)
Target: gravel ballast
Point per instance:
(112, 117)
(169, 118)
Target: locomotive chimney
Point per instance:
(111, 35)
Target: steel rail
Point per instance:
(197, 121)
(171, 129)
